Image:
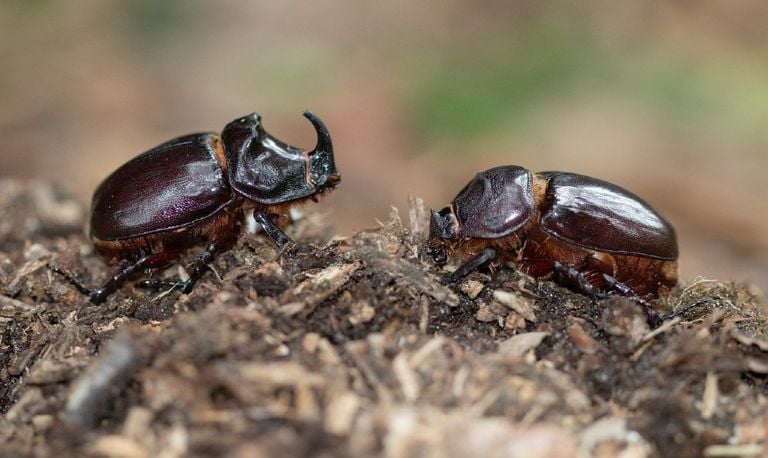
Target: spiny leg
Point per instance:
(272, 230)
(99, 295)
(473, 264)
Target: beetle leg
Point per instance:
(654, 319)
(186, 285)
(99, 295)
(577, 278)
(272, 230)
(473, 264)
(197, 270)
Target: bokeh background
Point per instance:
(666, 98)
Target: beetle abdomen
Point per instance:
(171, 186)
(602, 216)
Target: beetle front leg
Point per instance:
(272, 230)
(488, 254)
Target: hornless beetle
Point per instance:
(198, 188)
(581, 231)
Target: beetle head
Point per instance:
(266, 170)
(444, 224)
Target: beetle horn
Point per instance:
(323, 136)
(322, 165)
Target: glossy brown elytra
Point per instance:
(196, 189)
(580, 231)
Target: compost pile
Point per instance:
(355, 346)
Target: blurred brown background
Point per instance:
(666, 98)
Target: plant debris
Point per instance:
(356, 346)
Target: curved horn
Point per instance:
(323, 136)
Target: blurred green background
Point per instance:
(666, 98)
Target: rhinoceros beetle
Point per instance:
(583, 232)
(197, 189)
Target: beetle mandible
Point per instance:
(197, 189)
(583, 232)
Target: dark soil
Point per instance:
(354, 346)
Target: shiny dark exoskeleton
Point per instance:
(581, 231)
(197, 188)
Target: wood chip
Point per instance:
(418, 218)
(514, 321)
(757, 365)
(275, 374)
(10, 307)
(485, 314)
(518, 345)
(583, 341)
(114, 446)
(340, 413)
(56, 371)
(472, 288)
(137, 423)
(746, 450)
(361, 312)
(408, 379)
(311, 292)
(762, 344)
(709, 398)
(515, 302)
